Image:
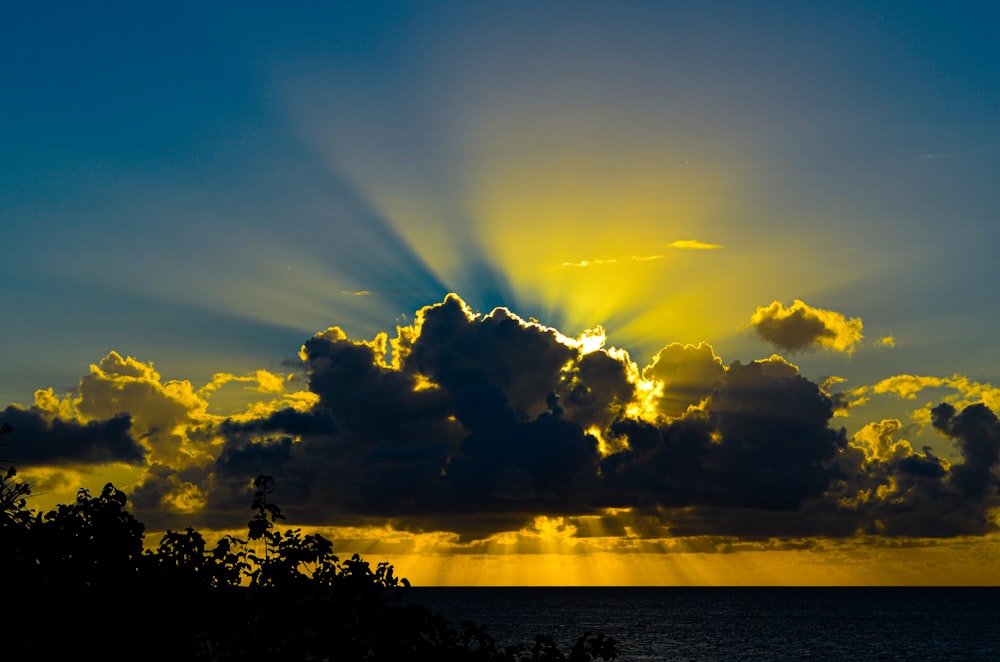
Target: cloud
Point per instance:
(463, 422)
(693, 245)
(686, 375)
(612, 260)
(746, 465)
(891, 489)
(260, 380)
(466, 415)
(40, 440)
(123, 411)
(477, 426)
(976, 431)
(966, 391)
(801, 327)
(907, 386)
(845, 400)
(877, 442)
(162, 412)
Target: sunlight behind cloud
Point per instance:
(581, 222)
(587, 204)
(572, 209)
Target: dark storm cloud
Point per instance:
(976, 431)
(544, 465)
(763, 443)
(688, 372)
(365, 397)
(921, 502)
(244, 458)
(922, 466)
(904, 495)
(774, 424)
(763, 461)
(904, 492)
(525, 361)
(438, 435)
(38, 441)
(467, 430)
(317, 421)
(662, 466)
(490, 435)
(476, 424)
(597, 390)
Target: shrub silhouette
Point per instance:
(13, 493)
(80, 583)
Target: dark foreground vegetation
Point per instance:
(78, 583)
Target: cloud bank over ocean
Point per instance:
(474, 425)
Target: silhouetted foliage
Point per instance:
(13, 493)
(14, 515)
(84, 585)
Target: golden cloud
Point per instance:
(877, 441)
(612, 260)
(693, 245)
(907, 386)
(801, 326)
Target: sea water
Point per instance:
(740, 623)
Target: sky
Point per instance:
(516, 293)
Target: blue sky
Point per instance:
(205, 188)
(162, 165)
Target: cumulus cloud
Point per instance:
(760, 444)
(480, 424)
(888, 488)
(42, 440)
(878, 443)
(800, 327)
(976, 431)
(686, 375)
(123, 411)
(162, 411)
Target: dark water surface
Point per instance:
(741, 623)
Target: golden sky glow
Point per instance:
(971, 563)
(518, 295)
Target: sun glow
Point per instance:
(578, 229)
(552, 551)
(592, 340)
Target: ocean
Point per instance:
(678, 624)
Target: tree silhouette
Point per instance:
(13, 493)
(274, 595)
